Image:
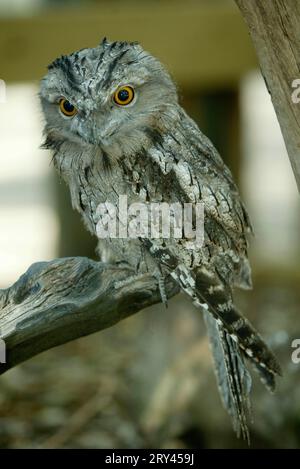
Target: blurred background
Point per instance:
(147, 382)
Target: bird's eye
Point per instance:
(67, 108)
(124, 95)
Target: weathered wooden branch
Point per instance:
(274, 26)
(55, 302)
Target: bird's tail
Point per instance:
(211, 293)
(233, 378)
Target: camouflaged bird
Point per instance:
(115, 126)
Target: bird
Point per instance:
(114, 123)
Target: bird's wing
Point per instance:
(189, 162)
(198, 174)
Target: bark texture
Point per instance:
(274, 27)
(58, 301)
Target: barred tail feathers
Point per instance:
(233, 378)
(210, 293)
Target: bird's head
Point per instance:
(115, 96)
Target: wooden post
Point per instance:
(274, 26)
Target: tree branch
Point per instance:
(275, 30)
(55, 302)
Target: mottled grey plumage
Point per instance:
(152, 151)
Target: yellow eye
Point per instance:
(124, 95)
(67, 108)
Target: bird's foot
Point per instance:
(161, 285)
